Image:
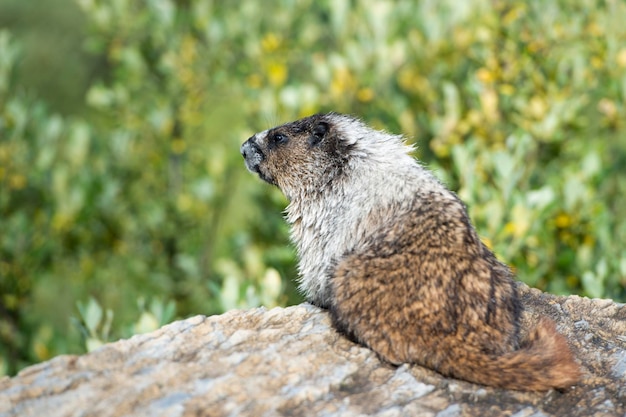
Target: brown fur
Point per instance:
(425, 290)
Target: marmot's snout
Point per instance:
(252, 154)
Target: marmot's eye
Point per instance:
(279, 138)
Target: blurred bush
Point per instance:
(137, 208)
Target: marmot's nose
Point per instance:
(251, 151)
(246, 147)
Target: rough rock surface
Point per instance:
(291, 362)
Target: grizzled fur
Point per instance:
(392, 254)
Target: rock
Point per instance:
(289, 361)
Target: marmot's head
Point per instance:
(304, 155)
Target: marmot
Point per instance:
(391, 253)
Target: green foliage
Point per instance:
(142, 194)
(95, 327)
(95, 323)
(51, 34)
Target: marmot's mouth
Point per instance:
(266, 178)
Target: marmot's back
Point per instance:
(425, 290)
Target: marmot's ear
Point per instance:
(319, 131)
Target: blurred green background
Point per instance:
(124, 202)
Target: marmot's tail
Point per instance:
(544, 361)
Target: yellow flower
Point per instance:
(563, 220)
(520, 223)
(342, 81)
(308, 109)
(474, 117)
(440, 147)
(507, 89)
(277, 73)
(17, 181)
(365, 95)
(405, 79)
(489, 104)
(595, 29)
(567, 238)
(41, 351)
(410, 80)
(597, 62)
(485, 76)
(254, 81)
(270, 42)
(514, 14)
(537, 107)
(534, 46)
(510, 228)
(61, 222)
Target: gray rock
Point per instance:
(289, 361)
